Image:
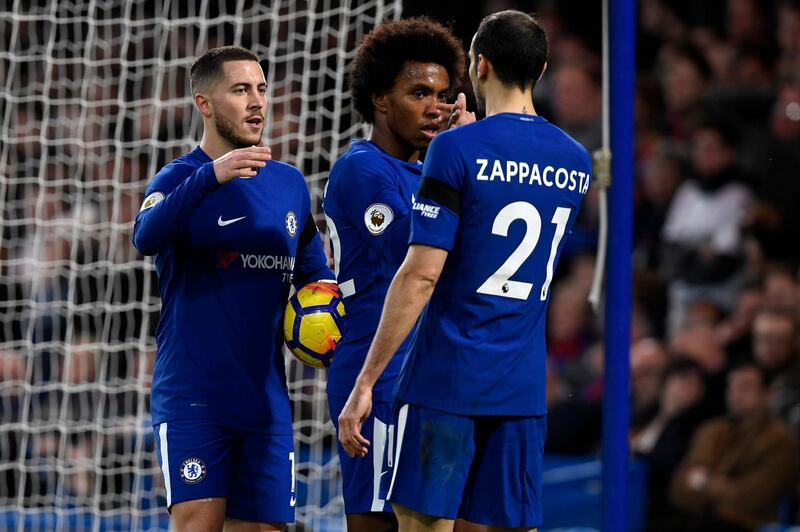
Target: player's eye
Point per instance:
(419, 95)
(443, 97)
(262, 90)
(240, 90)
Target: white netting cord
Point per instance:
(94, 100)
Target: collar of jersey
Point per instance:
(517, 116)
(416, 166)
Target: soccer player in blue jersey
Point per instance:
(497, 199)
(400, 79)
(230, 230)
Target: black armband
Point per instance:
(441, 193)
(308, 233)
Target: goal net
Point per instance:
(94, 100)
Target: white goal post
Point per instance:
(94, 99)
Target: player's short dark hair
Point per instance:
(386, 49)
(207, 68)
(515, 44)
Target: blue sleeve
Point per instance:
(369, 188)
(435, 216)
(311, 263)
(170, 199)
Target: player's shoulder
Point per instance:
(362, 161)
(362, 155)
(569, 143)
(457, 134)
(174, 172)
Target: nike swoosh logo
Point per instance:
(223, 223)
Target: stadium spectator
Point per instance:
(663, 441)
(703, 255)
(739, 466)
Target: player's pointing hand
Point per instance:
(355, 411)
(460, 115)
(244, 162)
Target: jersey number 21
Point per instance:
(500, 283)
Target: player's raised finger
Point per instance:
(444, 107)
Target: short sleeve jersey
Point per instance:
(501, 196)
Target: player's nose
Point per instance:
(430, 107)
(257, 101)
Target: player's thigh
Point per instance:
(431, 459)
(195, 459)
(371, 522)
(411, 521)
(236, 525)
(505, 483)
(263, 479)
(204, 515)
(361, 476)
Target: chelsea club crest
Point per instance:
(291, 223)
(193, 470)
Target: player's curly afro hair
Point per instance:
(385, 50)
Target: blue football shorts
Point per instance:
(361, 476)
(254, 472)
(485, 469)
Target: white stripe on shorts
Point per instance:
(379, 444)
(164, 449)
(402, 416)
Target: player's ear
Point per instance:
(203, 103)
(380, 103)
(484, 66)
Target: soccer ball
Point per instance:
(314, 323)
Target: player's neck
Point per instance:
(509, 100)
(392, 145)
(213, 144)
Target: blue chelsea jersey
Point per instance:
(367, 206)
(500, 195)
(226, 257)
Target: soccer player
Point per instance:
(497, 199)
(400, 79)
(230, 230)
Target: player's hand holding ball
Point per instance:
(244, 162)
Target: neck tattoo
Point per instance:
(525, 110)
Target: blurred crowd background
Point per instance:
(715, 357)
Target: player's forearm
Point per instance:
(158, 225)
(407, 296)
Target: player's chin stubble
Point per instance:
(226, 131)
